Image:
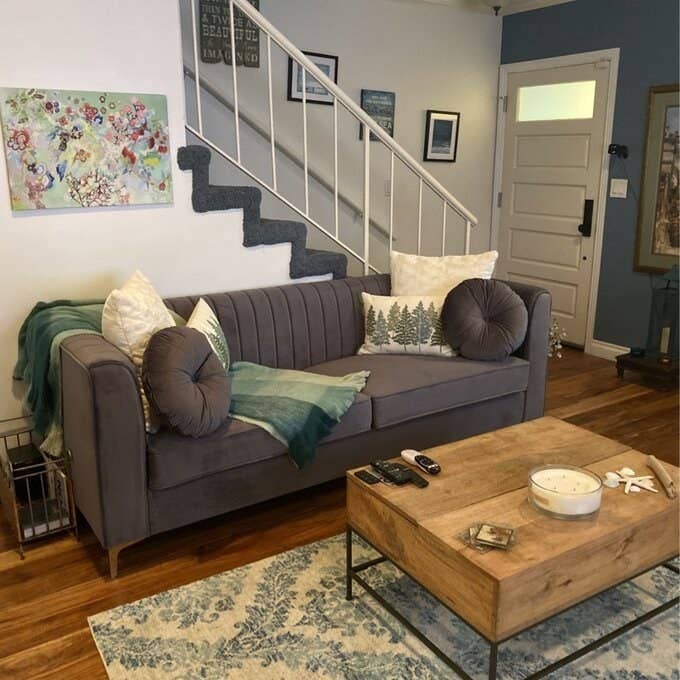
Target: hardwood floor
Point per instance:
(45, 599)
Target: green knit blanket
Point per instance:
(296, 407)
(40, 336)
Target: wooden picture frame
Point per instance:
(441, 136)
(657, 239)
(316, 93)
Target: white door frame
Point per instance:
(611, 55)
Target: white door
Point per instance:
(552, 163)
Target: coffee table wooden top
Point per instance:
(553, 563)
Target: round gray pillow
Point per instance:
(185, 382)
(484, 319)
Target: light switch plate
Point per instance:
(618, 188)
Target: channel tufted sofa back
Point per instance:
(292, 326)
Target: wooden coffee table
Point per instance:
(553, 565)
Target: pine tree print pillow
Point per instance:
(203, 319)
(407, 324)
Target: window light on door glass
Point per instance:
(557, 101)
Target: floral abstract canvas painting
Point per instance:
(69, 149)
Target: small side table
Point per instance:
(648, 366)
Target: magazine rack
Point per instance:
(36, 491)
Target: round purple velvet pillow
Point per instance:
(185, 382)
(484, 319)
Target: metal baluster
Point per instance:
(391, 198)
(444, 229)
(271, 111)
(335, 161)
(197, 78)
(234, 79)
(420, 212)
(304, 135)
(367, 194)
(468, 227)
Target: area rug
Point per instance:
(287, 617)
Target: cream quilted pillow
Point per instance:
(436, 276)
(132, 314)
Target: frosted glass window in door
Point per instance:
(556, 101)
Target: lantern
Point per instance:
(662, 337)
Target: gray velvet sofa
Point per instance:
(130, 485)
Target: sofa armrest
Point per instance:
(104, 431)
(535, 347)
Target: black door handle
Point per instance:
(586, 228)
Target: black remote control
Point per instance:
(393, 472)
(366, 476)
(428, 464)
(419, 481)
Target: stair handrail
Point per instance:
(283, 148)
(405, 157)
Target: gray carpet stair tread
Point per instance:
(257, 231)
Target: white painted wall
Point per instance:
(127, 46)
(432, 56)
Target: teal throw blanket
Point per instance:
(296, 407)
(38, 363)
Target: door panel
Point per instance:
(551, 166)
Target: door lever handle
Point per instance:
(586, 228)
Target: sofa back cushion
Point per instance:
(293, 326)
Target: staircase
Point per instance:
(260, 231)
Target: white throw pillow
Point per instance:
(203, 319)
(132, 314)
(408, 324)
(424, 275)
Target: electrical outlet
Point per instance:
(388, 188)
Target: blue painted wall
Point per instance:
(646, 31)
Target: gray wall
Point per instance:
(646, 31)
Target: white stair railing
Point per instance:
(340, 98)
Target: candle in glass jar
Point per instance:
(565, 491)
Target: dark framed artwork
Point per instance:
(657, 243)
(316, 92)
(380, 106)
(441, 136)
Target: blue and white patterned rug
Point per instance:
(287, 617)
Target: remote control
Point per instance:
(419, 481)
(366, 476)
(393, 472)
(416, 458)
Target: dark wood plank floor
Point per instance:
(44, 600)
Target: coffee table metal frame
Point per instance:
(353, 576)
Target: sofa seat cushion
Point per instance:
(406, 387)
(174, 459)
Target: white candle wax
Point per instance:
(565, 490)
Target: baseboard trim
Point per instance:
(604, 350)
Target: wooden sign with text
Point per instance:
(215, 34)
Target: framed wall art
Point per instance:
(72, 149)
(315, 92)
(441, 136)
(216, 35)
(380, 106)
(658, 229)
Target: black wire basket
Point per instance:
(36, 491)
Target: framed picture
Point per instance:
(380, 106)
(316, 93)
(657, 245)
(441, 136)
